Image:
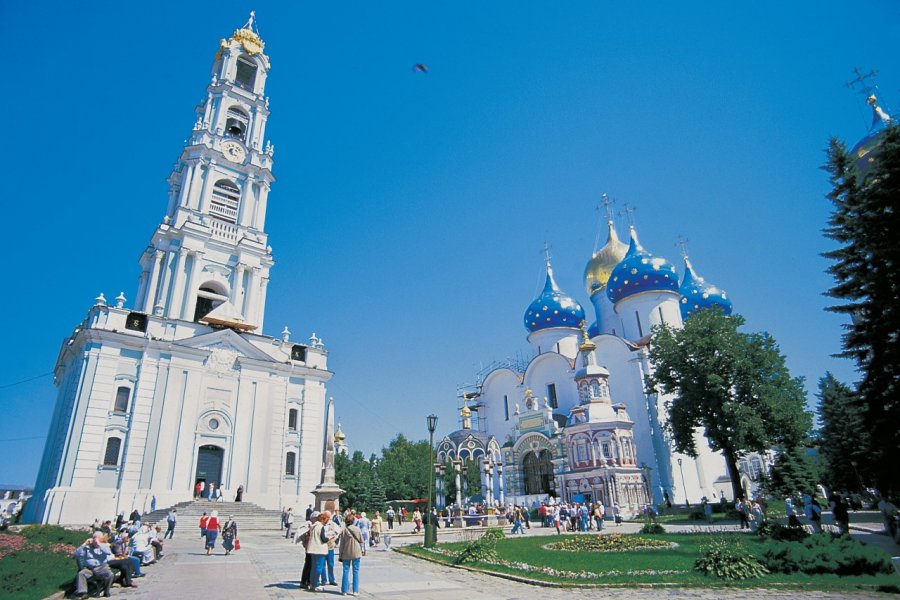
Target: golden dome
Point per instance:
(465, 412)
(339, 435)
(598, 269)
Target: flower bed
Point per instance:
(608, 543)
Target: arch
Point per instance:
(537, 469)
(237, 123)
(112, 452)
(245, 73)
(210, 294)
(210, 462)
(226, 197)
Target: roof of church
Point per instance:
(553, 308)
(640, 272)
(865, 149)
(697, 294)
(604, 260)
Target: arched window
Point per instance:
(208, 298)
(123, 394)
(246, 73)
(290, 463)
(236, 124)
(111, 456)
(226, 196)
(538, 472)
(292, 419)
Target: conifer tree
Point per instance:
(866, 266)
(843, 439)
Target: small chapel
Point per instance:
(181, 386)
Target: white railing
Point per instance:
(229, 213)
(223, 231)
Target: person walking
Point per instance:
(239, 496)
(517, 522)
(211, 492)
(212, 531)
(390, 517)
(417, 519)
(350, 551)
(376, 529)
(229, 534)
(289, 523)
(171, 519)
(204, 521)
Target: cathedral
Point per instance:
(574, 422)
(180, 386)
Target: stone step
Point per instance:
(249, 516)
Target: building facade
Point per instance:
(182, 386)
(574, 422)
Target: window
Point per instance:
(123, 393)
(581, 452)
(604, 447)
(111, 456)
(551, 395)
(640, 329)
(292, 419)
(538, 470)
(298, 353)
(246, 74)
(662, 319)
(236, 124)
(226, 196)
(208, 298)
(506, 407)
(290, 463)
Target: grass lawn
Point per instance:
(37, 562)
(666, 566)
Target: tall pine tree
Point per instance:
(843, 439)
(866, 266)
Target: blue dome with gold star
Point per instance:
(553, 308)
(640, 272)
(696, 294)
(866, 149)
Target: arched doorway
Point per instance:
(538, 472)
(209, 465)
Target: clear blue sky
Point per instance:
(410, 210)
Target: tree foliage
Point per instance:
(405, 468)
(733, 385)
(843, 440)
(866, 268)
(793, 473)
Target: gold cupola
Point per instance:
(602, 263)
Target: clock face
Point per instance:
(233, 151)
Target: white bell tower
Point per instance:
(209, 260)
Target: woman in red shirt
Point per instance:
(212, 531)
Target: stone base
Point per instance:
(327, 498)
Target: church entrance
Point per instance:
(538, 472)
(209, 465)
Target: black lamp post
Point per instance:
(645, 470)
(683, 486)
(430, 537)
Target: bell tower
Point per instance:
(209, 261)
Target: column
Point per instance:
(186, 181)
(192, 200)
(500, 483)
(260, 221)
(261, 305)
(187, 312)
(237, 284)
(247, 200)
(142, 287)
(204, 197)
(150, 299)
(174, 311)
(456, 465)
(163, 300)
(250, 297)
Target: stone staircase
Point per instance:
(248, 516)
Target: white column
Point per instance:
(259, 220)
(196, 268)
(500, 483)
(150, 299)
(247, 200)
(204, 196)
(174, 311)
(249, 311)
(261, 305)
(163, 300)
(142, 287)
(237, 284)
(186, 181)
(456, 467)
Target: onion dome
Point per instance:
(867, 148)
(594, 330)
(602, 263)
(553, 308)
(339, 436)
(696, 294)
(640, 272)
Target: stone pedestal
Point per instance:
(327, 497)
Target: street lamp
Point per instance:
(683, 485)
(430, 538)
(645, 470)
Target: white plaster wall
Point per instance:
(552, 368)
(502, 382)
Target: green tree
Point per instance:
(404, 468)
(378, 496)
(794, 472)
(733, 385)
(354, 476)
(843, 439)
(866, 268)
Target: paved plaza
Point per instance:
(268, 567)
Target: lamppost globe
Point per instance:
(432, 423)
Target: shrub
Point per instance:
(817, 554)
(484, 549)
(652, 528)
(53, 534)
(607, 543)
(727, 559)
(782, 533)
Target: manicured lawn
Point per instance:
(37, 562)
(666, 566)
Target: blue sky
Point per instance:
(410, 210)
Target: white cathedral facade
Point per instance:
(182, 386)
(574, 422)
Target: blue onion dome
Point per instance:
(640, 272)
(867, 148)
(553, 308)
(598, 269)
(696, 294)
(594, 330)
